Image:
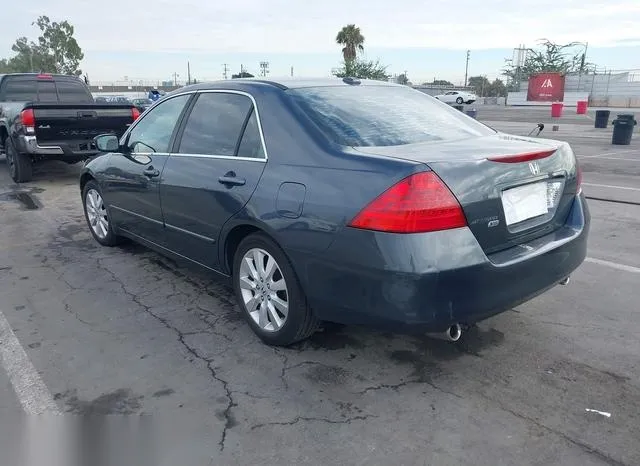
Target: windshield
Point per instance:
(363, 116)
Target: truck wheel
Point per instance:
(20, 166)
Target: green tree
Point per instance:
(485, 88)
(363, 69)
(56, 51)
(438, 82)
(242, 74)
(402, 79)
(548, 58)
(351, 39)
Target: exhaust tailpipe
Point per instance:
(453, 333)
(565, 281)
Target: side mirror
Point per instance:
(107, 142)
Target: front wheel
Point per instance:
(95, 212)
(20, 165)
(269, 293)
(459, 100)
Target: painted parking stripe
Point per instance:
(613, 265)
(610, 186)
(33, 394)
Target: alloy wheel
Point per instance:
(264, 290)
(97, 214)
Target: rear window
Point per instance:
(20, 90)
(365, 116)
(73, 92)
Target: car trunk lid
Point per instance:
(512, 189)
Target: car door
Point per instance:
(451, 97)
(218, 159)
(131, 183)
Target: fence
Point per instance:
(612, 88)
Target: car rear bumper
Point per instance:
(57, 150)
(430, 281)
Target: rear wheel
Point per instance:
(269, 293)
(20, 165)
(459, 100)
(95, 211)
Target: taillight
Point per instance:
(526, 157)
(135, 113)
(416, 204)
(27, 118)
(44, 76)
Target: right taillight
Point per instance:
(416, 204)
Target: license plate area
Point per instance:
(532, 204)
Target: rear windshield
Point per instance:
(29, 89)
(364, 116)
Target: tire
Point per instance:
(459, 100)
(94, 211)
(299, 322)
(19, 165)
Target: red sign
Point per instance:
(546, 87)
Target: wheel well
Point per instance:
(84, 180)
(234, 238)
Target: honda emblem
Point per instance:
(534, 167)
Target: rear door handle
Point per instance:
(232, 181)
(151, 172)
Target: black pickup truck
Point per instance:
(53, 117)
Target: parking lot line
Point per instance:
(614, 265)
(607, 154)
(610, 186)
(33, 394)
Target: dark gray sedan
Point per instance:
(342, 200)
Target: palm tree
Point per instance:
(352, 40)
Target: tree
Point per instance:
(402, 79)
(485, 88)
(352, 40)
(242, 74)
(56, 51)
(438, 82)
(363, 69)
(549, 58)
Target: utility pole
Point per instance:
(188, 73)
(226, 70)
(466, 68)
(175, 78)
(292, 71)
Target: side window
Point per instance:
(251, 143)
(153, 132)
(215, 123)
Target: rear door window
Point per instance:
(381, 115)
(215, 124)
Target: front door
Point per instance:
(216, 164)
(131, 187)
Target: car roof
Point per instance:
(284, 83)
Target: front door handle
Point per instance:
(232, 180)
(151, 172)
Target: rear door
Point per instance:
(131, 184)
(216, 164)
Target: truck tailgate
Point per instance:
(80, 122)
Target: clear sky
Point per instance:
(153, 39)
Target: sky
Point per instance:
(152, 40)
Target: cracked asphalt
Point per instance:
(126, 331)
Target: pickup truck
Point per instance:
(53, 117)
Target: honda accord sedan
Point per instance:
(342, 200)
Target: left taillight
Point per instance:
(28, 118)
(417, 204)
(135, 113)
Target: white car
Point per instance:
(457, 97)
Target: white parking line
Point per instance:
(607, 158)
(610, 186)
(33, 394)
(605, 154)
(613, 265)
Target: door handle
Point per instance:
(151, 172)
(232, 181)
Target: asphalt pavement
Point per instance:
(125, 331)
